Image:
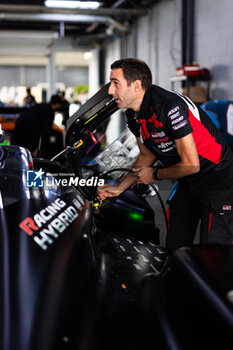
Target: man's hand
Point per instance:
(108, 191)
(145, 174)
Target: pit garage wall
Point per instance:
(214, 44)
(113, 53)
(156, 38)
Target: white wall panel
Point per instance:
(214, 44)
(113, 53)
(156, 38)
(93, 74)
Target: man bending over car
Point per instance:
(169, 127)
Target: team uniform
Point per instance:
(207, 195)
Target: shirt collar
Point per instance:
(146, 104)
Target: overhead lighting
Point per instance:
(73, 4)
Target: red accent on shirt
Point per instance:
(144, 130)
(156, 123)
(206, 144)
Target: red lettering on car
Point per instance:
(28, 225)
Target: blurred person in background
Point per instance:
(29, 99)
(33, 127)
(65, 107)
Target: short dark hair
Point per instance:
(134, 69)
(61, 93)
(55, 99)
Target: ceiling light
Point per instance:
(73, 4)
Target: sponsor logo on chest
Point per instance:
(152, 128)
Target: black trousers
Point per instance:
(211, 203)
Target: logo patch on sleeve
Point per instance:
(226, 207)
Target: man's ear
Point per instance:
(137, 85)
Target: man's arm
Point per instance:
(145, 159)
(188, 165)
